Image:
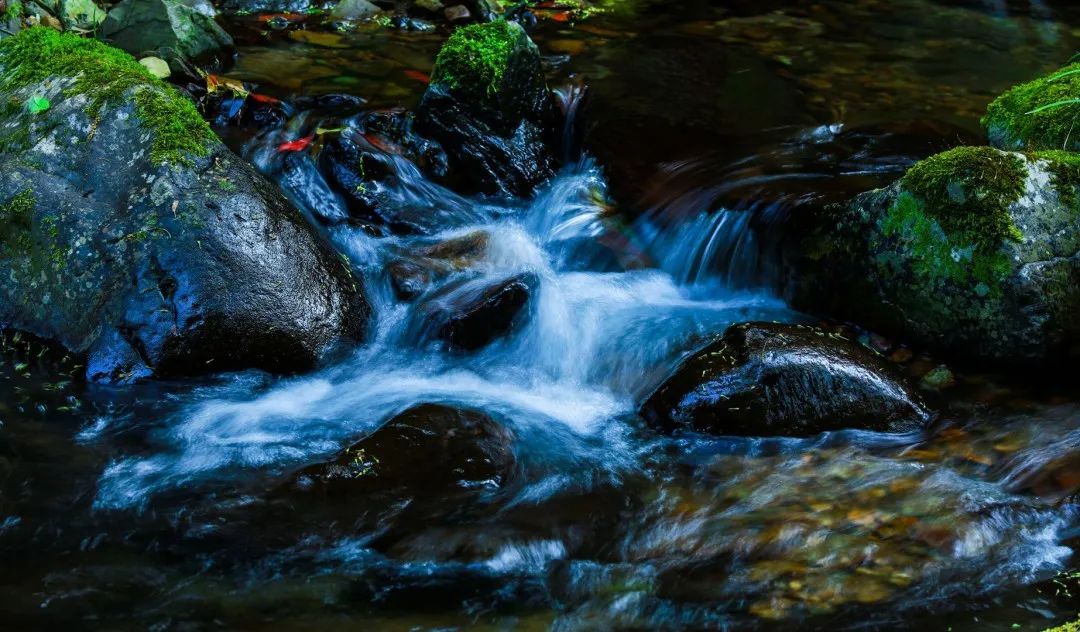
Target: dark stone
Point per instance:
(168, 28)
(169, 268)
(762, 379)
(467, 315)
(498, 138)
(428, 448)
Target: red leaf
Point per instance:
(418, 76)
(262, 98)
(299, 144)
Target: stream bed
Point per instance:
(181, 505)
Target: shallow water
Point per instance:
(172, 505)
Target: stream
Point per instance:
(175, 505)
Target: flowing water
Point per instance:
(172, 505)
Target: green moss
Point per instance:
(16, 222)
(14, 10)
(1015, 120)
(107, 76)
(475, 57)
(969, 190)
(953, 216)
(1064, 168)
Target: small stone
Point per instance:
(430, 5)
(157, 66)
(354, 10)
(938, 378)
(901, 355)
(457, 13)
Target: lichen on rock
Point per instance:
(106, 76)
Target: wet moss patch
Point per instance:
(475, 57)
(953, 217)
(1040, 114)
(1064, 168)
(107, 76)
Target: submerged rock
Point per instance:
(130, 232)
(427, 448)
(763, 379)
(974, 252)
(489, 108)
(170, 29)
(413, 273)
(467, 315)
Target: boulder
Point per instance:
(354, 10)
(762, 379)
(469, 314)
(489, 108)
(974, 252)
(171, 29)
(428, 448)
(132, 234)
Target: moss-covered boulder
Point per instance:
(1039, 115)
(129, 232)
(768, 379)
(170, 29)
(488, 106)
(974, 251)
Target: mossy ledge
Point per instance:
(953, 212)
(1064, 169)
(475, 57)
(107, 76)
(1038, 114)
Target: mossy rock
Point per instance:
(974, 251)
(120, 242)
(488, 105)
(1042, 114)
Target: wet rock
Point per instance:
(171, 29)
(146, 242)
(467, 315)
(974, 252)
(457, 13)
(489, 108)
(764, 379)
(428, 448)
(367, 164)
(413, 273)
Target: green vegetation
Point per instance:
(14, 10)
(16, 221)
(1040, 114)
(954, 216)
(475, 57)
(107, 76)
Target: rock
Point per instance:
(170, 29)
(1026, 117)
(937, 379)
(157, 66)
(762, 379)
(467, 315)
(457, 13)
(974, 252)
(130, 232)
(431, 6)
(489, 108)
(82, 13)
(428, 448)
(354, 10)
(412, 273)
(363, 164)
